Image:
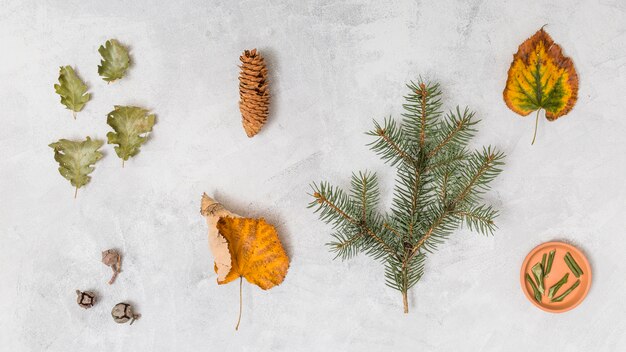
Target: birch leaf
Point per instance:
(244, 248)
(541, 77)
(256, 252)
(115, 60)
(76, 159)
(131, 125)
(72, 89)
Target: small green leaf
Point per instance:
(131, 125)
(72, 89)
(76, 158)
(569, 260)
(569, 290)
(555, 288)
(115, 60)
(550, 260)
(536, 292)
(537, 271)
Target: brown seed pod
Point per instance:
(254, 93)
(112, 258)
(85, 299)
(123, 312)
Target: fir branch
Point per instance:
(411, 192)
(422, 112)
(482, 168)
(330, 201)
(390, 143)
(479, 218)
(439, 186)
(423, 93)
(346, 245)
(333, 204)
(403, 274)
(432, 236)
(394, 231)
(456, 130)
(453, 156)
(365, 192)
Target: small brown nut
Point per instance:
(85, 299)
(123, 312)
(112, 258)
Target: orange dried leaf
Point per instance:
(244, 247)
(256, 251)
(541, 77)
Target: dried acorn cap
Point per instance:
(85, 299)
(112, 258)
(123, 312)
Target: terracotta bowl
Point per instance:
(559, 269)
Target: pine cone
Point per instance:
(253, 92)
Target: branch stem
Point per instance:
(405, 300)
(423, 92)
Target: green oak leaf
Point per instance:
(115, 60)
(72, 89)
(76, 158)
(131, 125)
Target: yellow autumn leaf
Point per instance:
(244, 248)
(541, 77)
(256, 252)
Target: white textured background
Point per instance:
(334, 66)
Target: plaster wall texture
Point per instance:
(334, 65)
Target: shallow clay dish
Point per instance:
(559, 268)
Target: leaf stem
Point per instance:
(74, 114)
(536, 124)
(75, 192)
(123, 163)
(240, 304)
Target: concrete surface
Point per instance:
(334, 65)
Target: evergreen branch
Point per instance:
(404, 274)
(423, 93)
(365, 192)
(479, 218)
(445, 180)
(346, 247)
(483, 168)
(422, 113)
(390, 144)
(429, 233)
(331, 212)
(329, 202)
(394, 231)
(452, 157)
(456, 130)
(438, 187)
(412, 191)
